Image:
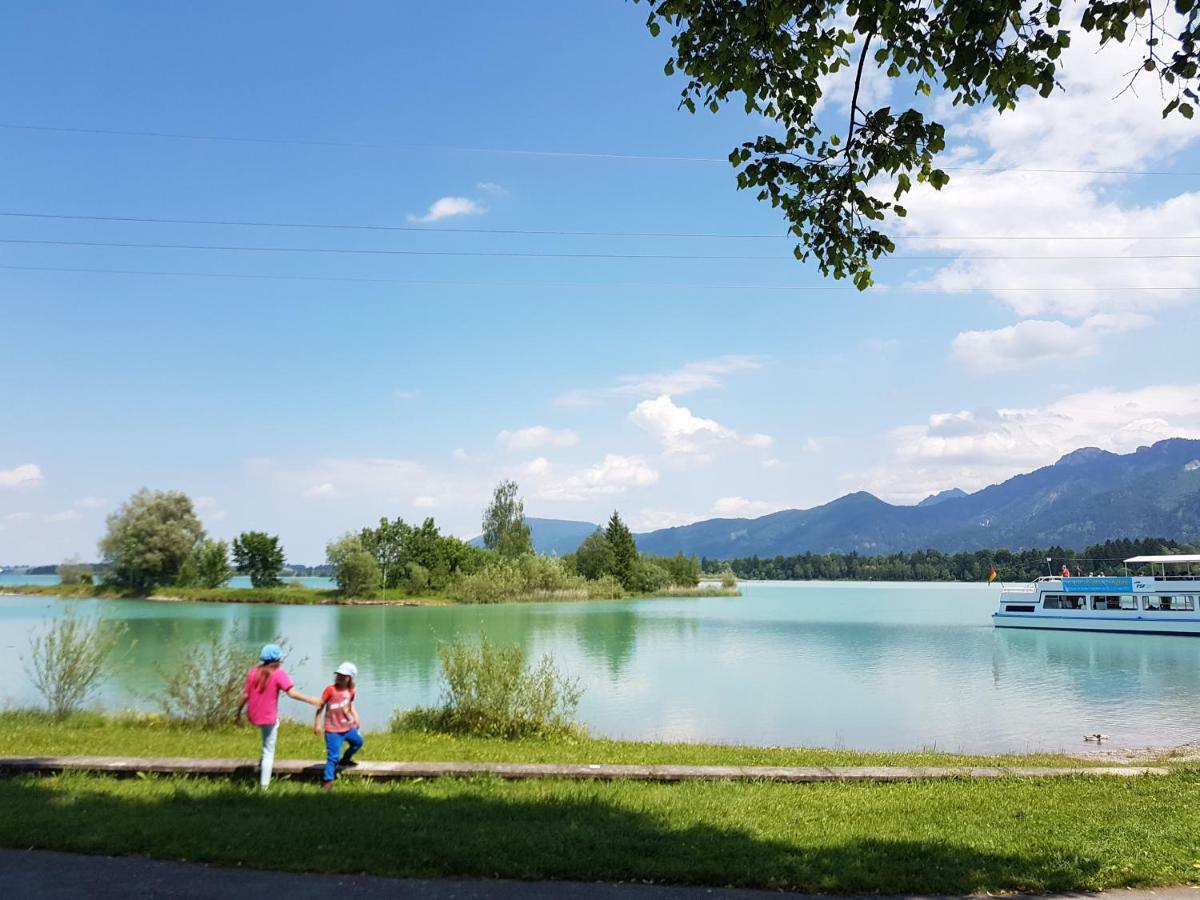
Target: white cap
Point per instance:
(347, 668)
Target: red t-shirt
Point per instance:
(337, 709)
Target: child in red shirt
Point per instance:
(341, 721)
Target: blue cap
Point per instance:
(271, 653)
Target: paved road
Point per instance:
(67, 876)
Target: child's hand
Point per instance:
(316, 728)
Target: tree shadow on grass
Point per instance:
(472, 829)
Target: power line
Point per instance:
(538, 254)
(580, 284)
(509, 151)
(561, 232)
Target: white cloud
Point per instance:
(490, 187)
(26, 476)
(704, 374)
(773, 462)
(654, 519)
(681, 432)
(536, 467)
(324, 489)
(424, 501)
(459, 454)
(1039, 341)
(615, 474)
(1083, 127)
(537, 436)
(67, 515)
(970, 449)
(91, 503)
(740, 507)
(448, 207)
(202, 503)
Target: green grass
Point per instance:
(946, 837)
(927, 837)
(34, 733)
(290, 594)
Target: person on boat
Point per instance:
(1066, 573)
(260, 698)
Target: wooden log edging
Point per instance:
(394, 771)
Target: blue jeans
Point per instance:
(333, 747)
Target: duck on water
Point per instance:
(1164, 601)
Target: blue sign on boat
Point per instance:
(1117, 584)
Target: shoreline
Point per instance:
(306, 596)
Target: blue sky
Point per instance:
(671, 389)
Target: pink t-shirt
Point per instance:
(262, 708)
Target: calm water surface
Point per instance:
(859, 666)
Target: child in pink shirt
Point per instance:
(260, 698)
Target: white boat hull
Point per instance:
(1110, 623)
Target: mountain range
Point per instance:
(1089, 495)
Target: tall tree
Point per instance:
(595, 558)
(149, 538)
(260, 556)
(504, 526)
(832, 183)
(624, 550)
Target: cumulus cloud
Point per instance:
(681, 432)
(21, 477)
(615, 474)
(700, 375)
(1039, 341)
(449, 207)
(740, 507)
(537, 436)
(995, 215)
(536, 467)
(654, 519)
(970, 449)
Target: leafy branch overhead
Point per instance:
(775, 54)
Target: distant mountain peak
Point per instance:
(1083, 455)
(942, 497)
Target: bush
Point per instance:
(490, 692)
(355, 570)
(728, 579)
(205, 687)
(67, 659)
(207, 566)
(416, 578)
(647, 576)
(500, 579)
(74, 571)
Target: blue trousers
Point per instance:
(333, 747)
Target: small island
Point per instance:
(155, 548)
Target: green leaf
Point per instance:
(1185, 109)
(655, 28)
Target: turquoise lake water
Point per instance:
(849, 665)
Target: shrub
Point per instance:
(605, 587)
(207, 566)
(728, 579)
(646, 576)
(355, 570)
(491, 692)
(205, 687)
(74, 571)
(67, 659)
(500, 579)
(416, 578)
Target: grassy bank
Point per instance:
(303, 595)
(927, 837)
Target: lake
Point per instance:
(862, 666)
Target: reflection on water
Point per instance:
(874, 666)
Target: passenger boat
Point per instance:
(1165, 601)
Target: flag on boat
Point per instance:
(992, 575)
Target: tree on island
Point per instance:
(355, 568)
(594, 558)
(504, 527)
(207, 566)
(624, 549)
(149, 538)
(260, 556)
(833, 185)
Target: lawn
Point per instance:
(1070, 833)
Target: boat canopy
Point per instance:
(1166, 560)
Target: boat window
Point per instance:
(1020, 607)
(1064, 601)
(1109, 601)
(1171, 603)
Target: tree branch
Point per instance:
(857, 83)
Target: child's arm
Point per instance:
(296, 695)
(354, 715)
(237, 716)
(317, 720)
